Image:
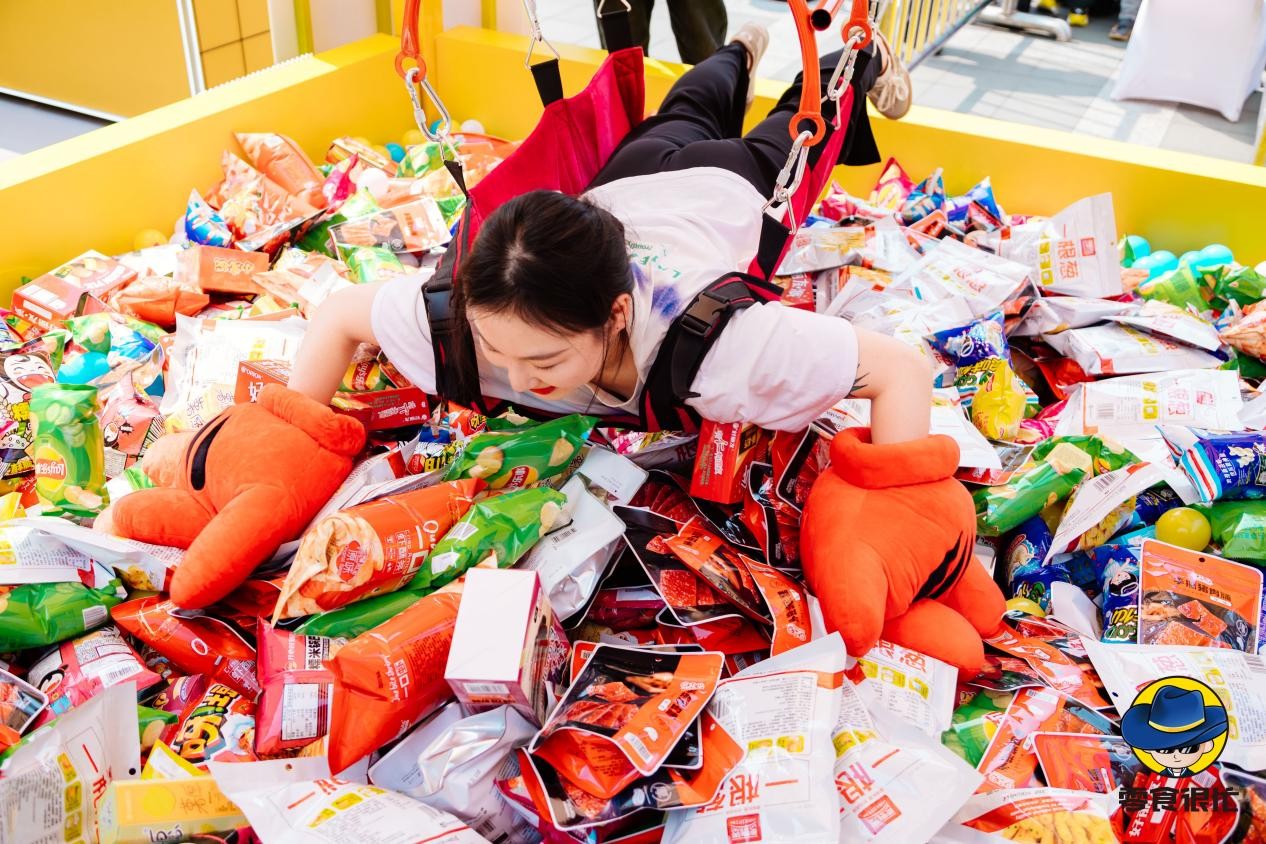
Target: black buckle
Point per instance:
(700, 318)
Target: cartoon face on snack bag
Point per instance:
(23, 373)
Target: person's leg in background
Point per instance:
(699, 26)
(1125, 20)
(639, 21)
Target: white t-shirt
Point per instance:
(777, 367)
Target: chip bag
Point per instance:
(1033, 814)
(370, 549)
(80, 669)
(217, 727)
(68, 449)
(390, 678)
(297, 689)
(281, 159)
(515, 459)
(22, 369)
(35, 615)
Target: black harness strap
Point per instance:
(549, 81)
(617, 31)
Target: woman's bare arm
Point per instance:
(898, 381)
(340, 324)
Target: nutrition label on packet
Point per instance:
(911, 685)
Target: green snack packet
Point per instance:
(1239, 529)
(1053, 471)
(93, 331)
(317, 238)
(451, 207)
(36, 615)
(1183, 287)
(354, 619)
(1248, 366)
(421, 159)
(519, 458)
(499, 530)
(370, 263)
(68, 449)
(973, 727)
(152, 722)
(1244, 285)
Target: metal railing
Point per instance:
(916, 29)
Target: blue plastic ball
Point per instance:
(1189, 258)
(1162, 262)
(1215, 254)
(83, 369)
(1136, 248)
(397, 152)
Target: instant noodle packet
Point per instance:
(81, 668)
(370, 549)
(515, 459)
(624, 714)
(293, 708)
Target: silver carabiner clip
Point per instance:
(538, 37)
(441, 135)
(789, 180)
(602, 8)
(843, 75)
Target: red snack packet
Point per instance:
(217, 727)
(721, 465)
(663, 497)
(158, 299)
(281, 159)
(1102, 764)
(1056, 668)
(1190, 598)
(181, 692)
(730, 636)
(370, 549)
(774, 523)
(720, 566)
(194, 642)
(601, 740)
(293, 709)
(79, 669)
(1010, 761)
(633, 608)
(390, 678)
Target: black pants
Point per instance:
(698, 25)
(700, 124)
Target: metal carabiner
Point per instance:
(843, 75)
(602, 13)
(789, 180)
(441, 135)
(529, 6)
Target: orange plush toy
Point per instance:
(887, 545)
(247, 483)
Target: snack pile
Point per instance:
(517, 631)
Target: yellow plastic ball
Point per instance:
(1026, 606)
(147, 238)
(1184, 527)
(412, 138)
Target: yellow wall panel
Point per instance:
(258, 50)
(217, 23)
(252, 16)
(126, 61)
(223, 63)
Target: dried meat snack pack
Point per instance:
(888, 548)
(370, 549)
(624, 714)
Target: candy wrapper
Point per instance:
(79, 669)
(53, 783)
(512, 460)
(284, 162)
(390, 678)
(1114, 349)
(784, 710)
(1220, 465)
(298, 800)
(194, 642)
(218, 727)
(68, 449)
(1187, 598)
(297, 689)
(370, 549)
(623, 714)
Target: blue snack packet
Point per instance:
(1220, 466)
(204, 225)
(1154, 503)
(1118, 563)
(928, 196)
(956, 207)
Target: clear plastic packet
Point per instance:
(1033, 814)
(1113, 349)
(293, 707)
(908, 685)
(217, 727)
(81, 668)
(298, 800)
(623, 714)
(1239, 679)
(817, 248)
(895, 782)
(1136, 404)
(952, 270)
(784, 710)
(450, 762)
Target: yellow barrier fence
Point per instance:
(918, 28)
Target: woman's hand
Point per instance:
(340, 324)
(898, 381)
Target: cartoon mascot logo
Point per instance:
(1176, 726)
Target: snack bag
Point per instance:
(416, 226)
(79, 669)
(54, 781)
(204, 225)
(892, 187)
(158, 299)
(390, 678)
(1189, 598)
(1086, 762)
(1033, 814)
(784, 711)
(1115, 349)
(518, 459)
(451, 762)
(68, 449)
(1009, 760)
(35, 615)
(130, 423)
(1220, 465)
(1100, 507)
(1060, 658)
(369, 264)
(370, 549)
(180, 693)
(297, 800)
(913, 687)
(623, 715)
(354, 619)
(20, 704)
(22, 369)
(1239, 529)
(293, 708)
(194, 642)
(1134, 405)
(153, 724)
(281, 160)
(218, 727)
(496, 531)
(720, 566)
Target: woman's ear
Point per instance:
(622, 312)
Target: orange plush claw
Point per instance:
(887, 541)
(248, 482)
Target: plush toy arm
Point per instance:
(161, 516)
(335, 432)
(241, 536)
(858, 461)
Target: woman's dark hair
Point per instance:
(553, 260)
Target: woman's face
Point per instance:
(537, 360)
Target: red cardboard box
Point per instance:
(395, 407)
(219, 269)
(96, 273)
(725, 451)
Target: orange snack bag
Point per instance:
(281, 160)
(158, 298)
(390, 678)
(370, 549)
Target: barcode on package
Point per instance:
(114, 674)
(637, 746)
(95, 615)
(487, 689)
(1103, 412)
(1255, 664)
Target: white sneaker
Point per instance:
(755, 39)
(893, 91)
